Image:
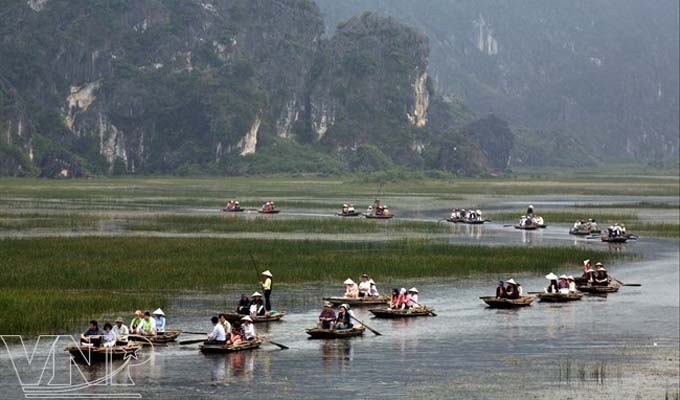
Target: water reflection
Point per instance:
(336, 352)
(238, 367)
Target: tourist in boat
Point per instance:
(586, 266)
(108, 337)
(136, 321)
(257, 306)
(351, 289)
(350, 209)
(563, 284)
(552, 287)
(537, 220)
(248, 328)
(403, 298)
(159, 316)
(267, 207)
(578, 225)
(92, 330)
(601, 277)
(373, 289)
(530, 210)
(364, 285)
(572, 284)
(344, 318)
(369, 210)
(327, 316)
(394, 300)
(231, 205)
(512, 289)
(267, 289)
(479, 215)
(345, 207)
(385, 211)
(235, 336)
(217, 335)
(148, 326)
(524, 221)
(412, 301)
(243, 306)
(592, 225)
(120, 330)
(225, 322)
(500, 290)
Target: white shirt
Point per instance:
(249, 331)
(364, 286)
(218, 333)
(122, 332)
(255, 310)
(108, 339)
(572, 286)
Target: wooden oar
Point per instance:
(366, 326)
(628, 284)
(195, 333)
(431, 311)
(192, 341)
(281, 346)
(535, 292)
(507, 226)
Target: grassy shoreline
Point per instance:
(57, 282)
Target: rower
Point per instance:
(248, 328)
(364, 285)
(512, 289)
(500, 290)
(601, 276)
(479, 215)
(257, 307)
(530, 210)
(327, 316)
(345, 207)
(413, 300)
(563, 284)
(159, 316)
(120, 330)
(108, 337)
(148, 326)
(267, 288)
(225, 322)
(351, 290)
(217, 335)
(373, 290)
(343, 319)
(136, 321)
(243, 306)
(572, 284)
(93, 330)
(552, 287)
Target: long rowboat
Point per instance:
(559, 297)
(348, 214)
(526, 227)
(407, 313)
(221, 348)
(169, 336)
(232, 316)
(373, 216)
(233, 209)
(615, 239)
(269, 212)
(359, 301)
(89, 354)
(495, 302)
(613, 287)
(318, 333)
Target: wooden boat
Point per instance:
(579, 232)
(613, 287)
(407, 313)
(232, 316)
(233, 209)
(374, 216)
(221, 348)
(359, 301)
(475, 221)
(559, 297)
(349, 214)
(318, 333)
(169, 336)
(527, 227)
(89, 354)
(455, 220)
(495, 302)
(615, 239)
(269, 212)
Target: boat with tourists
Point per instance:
(319, 333)
(504, 302)
(402, 313)
(358, 301)
(560, 297)
(168, 336)
(271, 317)
(87, 353)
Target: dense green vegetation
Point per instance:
(49, 284)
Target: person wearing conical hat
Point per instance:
(351, 209)
(351, 289)
(563, 283)
(552, 287)
(327, 316)
(364, 285)
(373, 291)
(344, 209)
(344, 318)
(248, 328)
(572, 284)
(512, 289)
(257, 306)
(267, 289)
(601, 277)
(159, 316)
(412, 301)
(120, 330)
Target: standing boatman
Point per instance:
(267, 288)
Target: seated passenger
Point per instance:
(412, 302)
(572, 284)
(243, 306)
(351, 289)
(601, 277)
(248, 328)
(225, 323)
(563, 284)
(351, 209)
(364, 285)
(500, 290)
(344, 318)
(257, 305)
(552, 287)
(148, 326)
(93, 330)
(394, 300)
(108, 337)
(373, 291)
(217, 335)
(159, 316)
(120, 330)
(512, 289)
(235, 337)
(327, 316)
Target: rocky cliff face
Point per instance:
(212, 86)
(601, 74)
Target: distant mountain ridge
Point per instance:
(224, 87)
